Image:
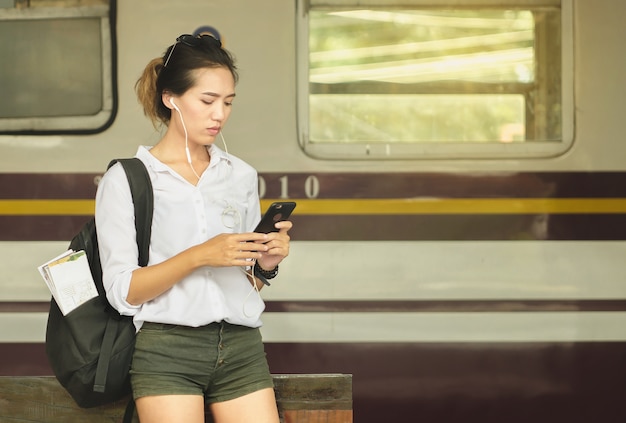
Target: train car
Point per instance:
(459, 168)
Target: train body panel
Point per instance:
(266, 108)
(475, 290)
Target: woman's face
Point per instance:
(206, 106)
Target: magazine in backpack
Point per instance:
(89, 344)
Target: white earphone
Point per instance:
(182, 121)
(174, 105)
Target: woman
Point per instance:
(196, 305)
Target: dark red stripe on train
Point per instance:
(461, 227)
(445, 382)
(40, 228)
(449, 227)
(394, 306)
(47, 186)
(362, 185)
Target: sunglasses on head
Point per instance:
(194, 41)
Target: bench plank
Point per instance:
(300, 398)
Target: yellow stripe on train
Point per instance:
(459, 206)
(391, 206)
(47, 207)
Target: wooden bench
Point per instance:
(301, 398)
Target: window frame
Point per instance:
(77, 124)
(434, 150)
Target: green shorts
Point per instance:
(219, 361)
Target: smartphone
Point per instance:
(278, 211)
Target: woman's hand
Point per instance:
(241, 249)
(277, 246)
(232, 249)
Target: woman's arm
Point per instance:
(223, 250)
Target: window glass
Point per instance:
(473, 77)
(56, 72)
(73, 68)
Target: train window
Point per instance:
(56, 67)
(404, 79)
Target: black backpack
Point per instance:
(90, 349)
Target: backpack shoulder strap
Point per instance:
(141, 190)
(143, 201)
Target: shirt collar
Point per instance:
(217, 156)
(216, 153)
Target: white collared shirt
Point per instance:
(224, 201)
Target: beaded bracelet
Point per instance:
(267, 274)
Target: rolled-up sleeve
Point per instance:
(115, 227)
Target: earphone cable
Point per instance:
(182, 121)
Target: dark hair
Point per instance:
(174, 72)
